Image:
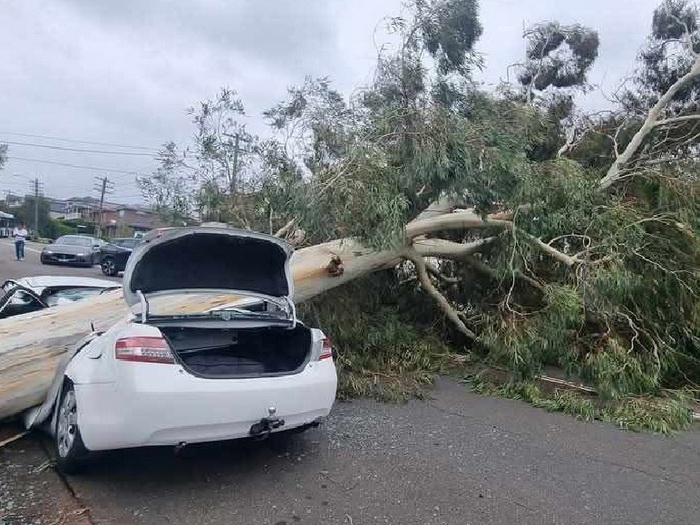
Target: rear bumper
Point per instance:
(163, 405)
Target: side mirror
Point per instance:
(50, 241)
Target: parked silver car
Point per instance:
(73, 249)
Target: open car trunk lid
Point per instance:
(230, 353)
(206, 260)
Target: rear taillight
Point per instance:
(143, 350)
(326, 349)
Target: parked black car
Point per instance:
(113, 256)
(73, 249)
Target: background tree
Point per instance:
(25, 214)
(557, 56)
(171, 189)
(208, 177)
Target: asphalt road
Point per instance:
(11, 269)
(457, 458)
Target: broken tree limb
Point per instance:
(452, 314)
(449, 250)
(460, 220)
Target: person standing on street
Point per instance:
(20, 236)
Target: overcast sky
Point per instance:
(122, 72)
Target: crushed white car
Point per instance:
(248, 368)
(30, 294)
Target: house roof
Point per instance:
(93, 202)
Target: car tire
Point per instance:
(108, 267)
(71, 454)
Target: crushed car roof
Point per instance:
(46, 281)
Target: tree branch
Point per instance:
(487, 270)
(432, 269)
(556, 254)
(422, 271)
(448, 249)
(615, 171)
(459, 220)
(285, 229)
(676, 120)
(468, 219)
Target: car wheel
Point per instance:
(108, 267)
(71, 453)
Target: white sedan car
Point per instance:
(170, 375)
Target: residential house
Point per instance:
(80, 208)
(127, 220)
(14, 201)
(57, 208)
(87, 209)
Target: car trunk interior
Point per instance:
(230, 353)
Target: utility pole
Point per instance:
(36, 192)
(103, 185)
(233, 182)
(234, 175)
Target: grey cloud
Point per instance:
(272, 32)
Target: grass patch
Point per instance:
(663, 414)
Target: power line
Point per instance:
(77, 141)
(80, 150)
(78, 166)
(11, 182)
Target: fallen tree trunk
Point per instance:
(32, 344)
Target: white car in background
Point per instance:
(248, 368)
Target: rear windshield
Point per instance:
(74, 240)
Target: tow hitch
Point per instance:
(262, 428)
